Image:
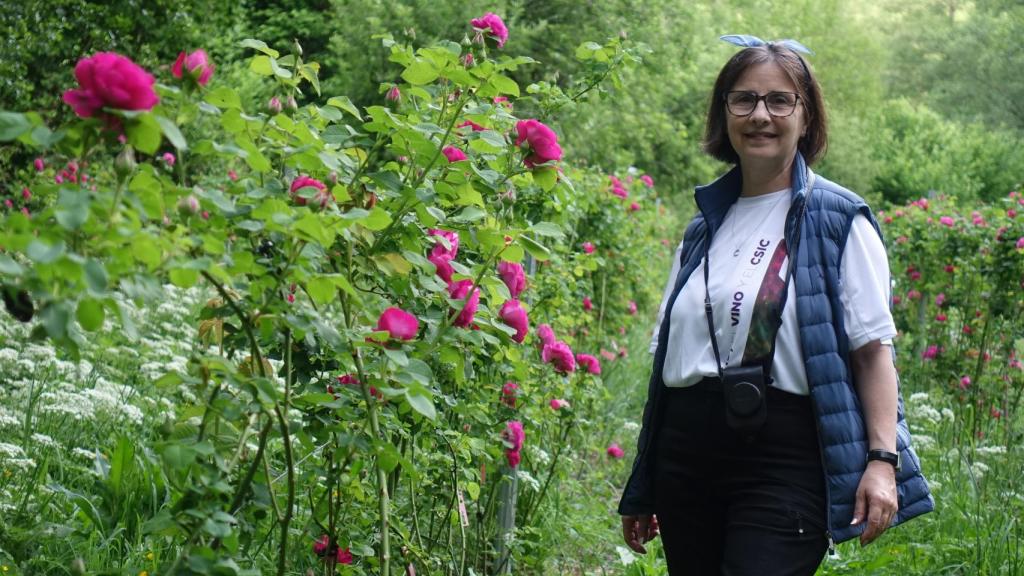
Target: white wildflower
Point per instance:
(83, 453)
(630, 426)
(988, 450)
(8, 355)
(948, 415)
(10, 450)
(924, 442)
(925, 412)
(542, 457)
(45, 441)
(979, 469)
(919, 397)
(20, 464)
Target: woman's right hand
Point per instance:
(639, 530)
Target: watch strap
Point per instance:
(885, 456)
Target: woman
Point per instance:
(782, 433)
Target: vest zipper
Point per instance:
(828, 499)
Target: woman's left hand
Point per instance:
(876, 500)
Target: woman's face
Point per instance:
(763, 141)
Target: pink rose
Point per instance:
(274, 105)
(913, 294)
(946, 221)
(509, 393)
(543, 142)
(443, 264)
(546, 334)
(168, 158)
(631, 308)
(930, 352)
(453, 154)
(320, 546)
(614, 451)
(940, 317)
(452, 249)
(106, 79)
(493, 24)
(1020, 242)
(949, 268)
(558, 404)
(348, 379)
(965, 382)
(400, 324)
(617, 188)
(232, 175)
(634, 207)
(344, 556)
(587, 304)
(940, 299)
(393, 94)
(26, 194)
(502, 101)
(473, 125)
(512, 313)
(590, 363)
(459, 291)
(560, 355)
(322, 196)
(1011, 213)
(39, 164)
(513, 437)
(197, 64)
(513, 276)
(647, 180)
(588, 248)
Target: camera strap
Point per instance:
(777, 319)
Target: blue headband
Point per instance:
(748, 41)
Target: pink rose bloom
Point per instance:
(588, 248)
(513, 437)
(950, 268)
(946, 221)
(542, 140)
(1020, 242)
(632, 308)
(197, 64)
(502, 101)
(560, 355)
(914, 275)
(475, 127)
(399, 323)
(393, 94)
(443, 264)
(634, 207)
(168, 158)
(26, 194)
(8, 203)
(320, 546)
(39, 164)
(590, 363)
(940, 317)
(966, 329)
(647, 180)
(913, 294)
(344, 556)
(274, 105)
(1011, 213)
(459, 291)
(512, 313)
(348, 379)
(617, 188)
(453, 242)
(558, 404)
(930, 352)
(614, 451)
(492, 23)
(322, 196)
(965, 382)
(232, 175)
(509, 393)
(546, 334)
(587, 304)
(940, 299)
(607, 355)
(106, 79)
(513, 276)
(453, 154)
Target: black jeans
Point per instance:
(732, 506)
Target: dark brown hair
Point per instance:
(812, 145)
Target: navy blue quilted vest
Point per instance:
(827, 219)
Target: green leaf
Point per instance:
(254, 158)
(95, 277)
(12, 125)
(174, 135)
(9, 267)
(279, 71)
(420, 72)
(545, 177)
(120, 462)
(261, 65)
(504, 84)
(148, 189)
(90, 314)
(393, 263)
(343, 103)
(536, 249)
(72, 208)
(473, 489)
(422, 404)
(184, 277)
(144, 133)
(322, 290)
(469, 214)
(547, 229)
(224, 97)
(468, 195)
(313, 228)
(42, 253)
(259, 45)
(378, 219)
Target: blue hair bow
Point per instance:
(748, 41)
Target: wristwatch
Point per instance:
(885, 456)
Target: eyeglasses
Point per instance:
(779, 104)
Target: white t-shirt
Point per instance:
(748, 266)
